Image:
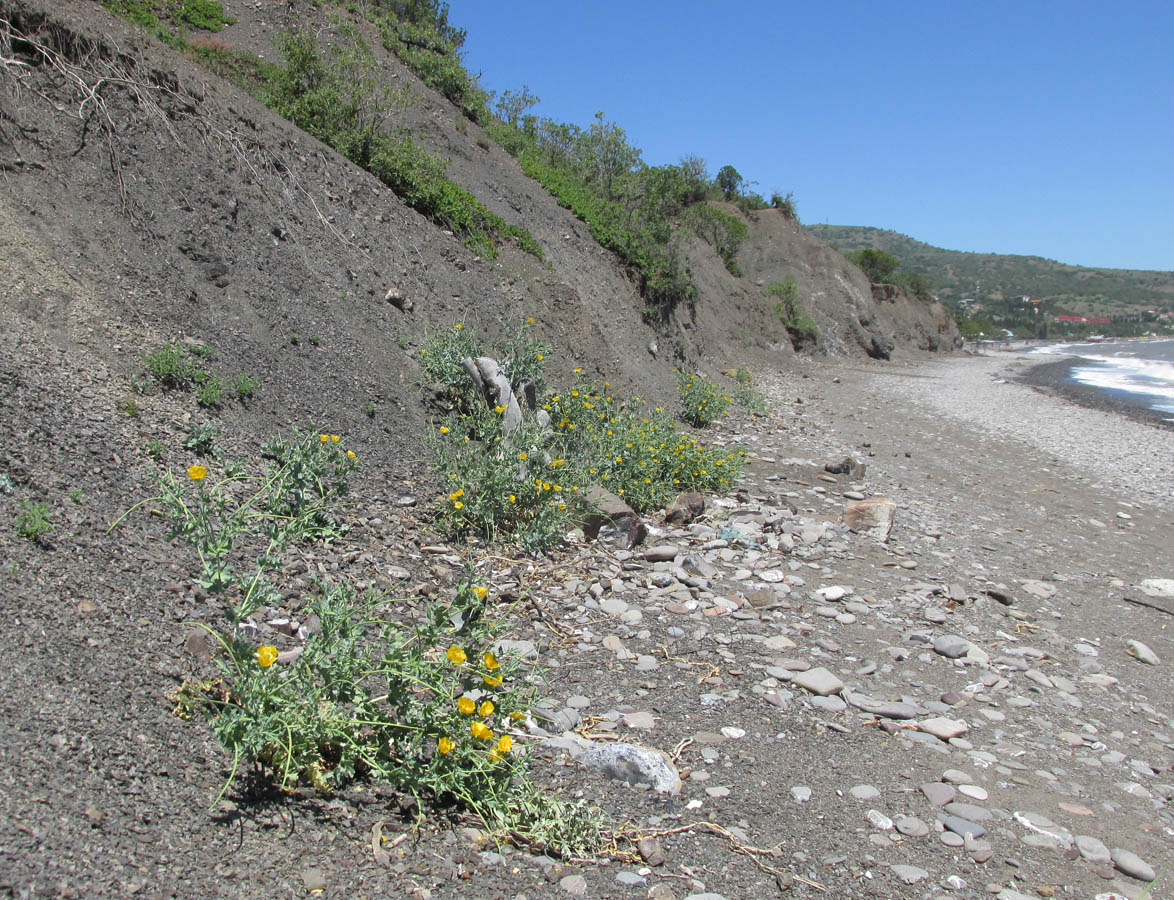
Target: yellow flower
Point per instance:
(335, 438)
(486, 708)
(499, 409)
(577, 371)
(324, 438)
(196, 472)
(457, 494)
(529, 320)
(504, 744)
(513, 499)
(266, 656)
(459, 326)
(523, 456)
(517, 716)
(481, 731)
(492, 680)
(458, 505)
(466, 705)
(541, 357)
(480, 592)
(444, 745)
(444, 429)
(491, 662)
(350, 454)
(456, 655)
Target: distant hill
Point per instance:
(954, 274)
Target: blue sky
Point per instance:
(1027, 127)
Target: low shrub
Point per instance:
(527, 487)
(701, 401)
(745, 395)
(32, 521)
(801, 328)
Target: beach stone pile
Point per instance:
(1006, 743)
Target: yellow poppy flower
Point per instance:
(444, 745)
(492, 680)
(480, 592)
(467, 705)
(324, 438)
(499, 409)
(350, 454)
(197, 472)
(504, 744)
(444, 429)
(481, 731)
(486, 708)
(491, 662)
(335, 438)
(266, 656)
(458, 504)
(456, 655)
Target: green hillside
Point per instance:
(955, 274)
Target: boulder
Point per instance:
(684, 509)
(602, 507)
(873, 515)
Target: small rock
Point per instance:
(942, 728)
(951, 646)
(818, 681)
(909, 874)
(874, 515)
(938, 794)
(1129, 863)
(314, 879)
(575, 885)
(661, 553)
(864, 792)
(1142, 653)
(1092, 849)
(651, 851)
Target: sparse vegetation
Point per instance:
(334, 93)
(745, 395)
(701, 401)
(32, 521)
(801, 328)
(244, 386)
(423, 702)
(180, 368)
(200, 440)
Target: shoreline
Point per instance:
(1054, 378)
(989, 418)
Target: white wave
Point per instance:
(1148, 377)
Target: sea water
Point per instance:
(1138, 372)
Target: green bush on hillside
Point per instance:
(336, 95)
(801, 328)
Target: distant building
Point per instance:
(1085, 320)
